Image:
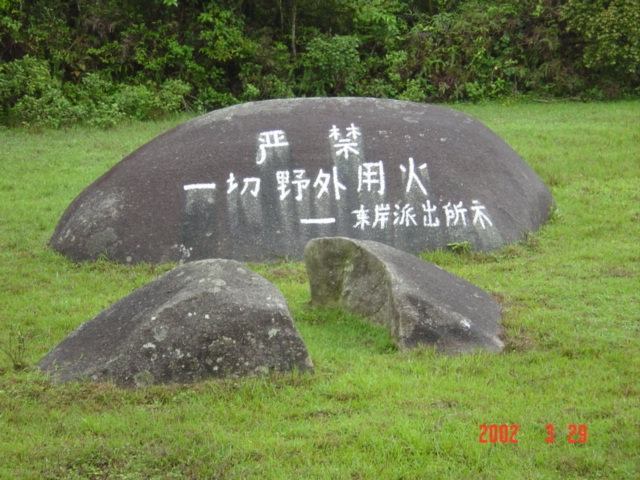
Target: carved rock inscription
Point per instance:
(257, 181)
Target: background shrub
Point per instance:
(63, 62)
(610, 33)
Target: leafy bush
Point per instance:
(332, 66)
(31, 96)
(610, 30)
(27, 76)
(99, 62)
(142, 102)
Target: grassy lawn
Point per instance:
(572, 328)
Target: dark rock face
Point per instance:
(212, 318)
(418, 302)
(256, 181)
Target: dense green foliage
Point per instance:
(68, 61)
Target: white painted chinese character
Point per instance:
(413, 177)
(301, 182)
(256, 186)
(344, 147)
(353, 132)
(428, 218)
(362, 218)
(455, 213)
(404, 216)
(283, 179)
(335, 134)
(323, 181)
(232, 183)
(271, 139)
(199, 186)
(479, 215)
(317, 221)
(369, 174)
(382, 216)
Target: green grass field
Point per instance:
(572, 328)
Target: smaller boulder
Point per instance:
(211, 318)
(418, 302)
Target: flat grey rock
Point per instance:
(257, 181)
(212, 318)
(418, 302)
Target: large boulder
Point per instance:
(257, 181)
(418, 302)
(212, 318)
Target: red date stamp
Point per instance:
(507, 433)
(498, 433)
(577, 434)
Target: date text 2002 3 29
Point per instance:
(507, 434)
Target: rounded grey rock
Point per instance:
(257, 181)
(206, 319)
(418, 302)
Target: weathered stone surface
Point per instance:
(257, 181)
(212, 318)
(418, 302)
